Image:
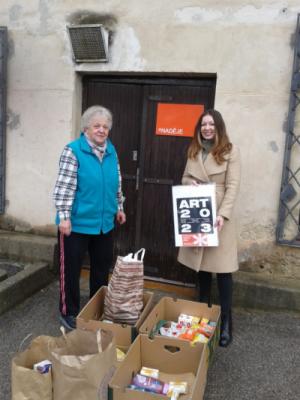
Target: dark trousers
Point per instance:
(225, 284)
(72, 250)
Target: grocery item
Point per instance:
(120, 354)
(172, 329)
(187, 327)
(188, 320)
(150, 384)
(199, 338)
(189, 334)
(43, 366)
(152, 372)
(177, 388)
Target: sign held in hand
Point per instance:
(194, 211)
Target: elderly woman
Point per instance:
(88, 197)
(212, 158)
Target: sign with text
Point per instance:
(194, 212)
(177, 119)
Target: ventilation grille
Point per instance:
(89, 43)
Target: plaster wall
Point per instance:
(249, 45)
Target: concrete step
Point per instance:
(267, 293)
(3, 275)
(250, 290)
(23, 284)
(27, 247)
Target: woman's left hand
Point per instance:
(219, 223)
(121, 217)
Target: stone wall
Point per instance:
(248, 45)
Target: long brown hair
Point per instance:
(221, 146)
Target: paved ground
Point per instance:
(263, 362)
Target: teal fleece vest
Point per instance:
(95, 204)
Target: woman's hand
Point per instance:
(219, 223)
(195, 183)
(121, 217)
(65, 227)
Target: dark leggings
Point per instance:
(224, 281)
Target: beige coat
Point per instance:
(227, 178)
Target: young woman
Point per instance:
(212, 158)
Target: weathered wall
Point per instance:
(249, 45)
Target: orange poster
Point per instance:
(177, 119)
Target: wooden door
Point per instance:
(150, 164)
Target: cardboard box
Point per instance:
(176, 360)
(169, 309)
(90, 315)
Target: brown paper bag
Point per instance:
(25, 382)
(83, 365)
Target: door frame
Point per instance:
(152, 78)
(145, 79)
(3, 99)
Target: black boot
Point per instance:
(205, 279)
(226, 329)
(225, 285)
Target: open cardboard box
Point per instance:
(169, 309)
(176, 360)
(90, 318)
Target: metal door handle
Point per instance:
(134, 155)
(137, 179)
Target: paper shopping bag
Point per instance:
(27, 383)
(123, 302)
(83, 365)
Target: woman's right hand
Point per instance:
(219, 223)
(65, 227)
(195, 183)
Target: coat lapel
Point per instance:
(196, 169)
(203, 170)
(211, 167)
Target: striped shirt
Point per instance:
(66, 184)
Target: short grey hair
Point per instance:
(91, 112)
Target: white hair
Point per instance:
(91, 112)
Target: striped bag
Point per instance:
(123, 302)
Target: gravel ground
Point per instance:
(262, 363)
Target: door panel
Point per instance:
(163, 165)
(150, 164)
(125, 102)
